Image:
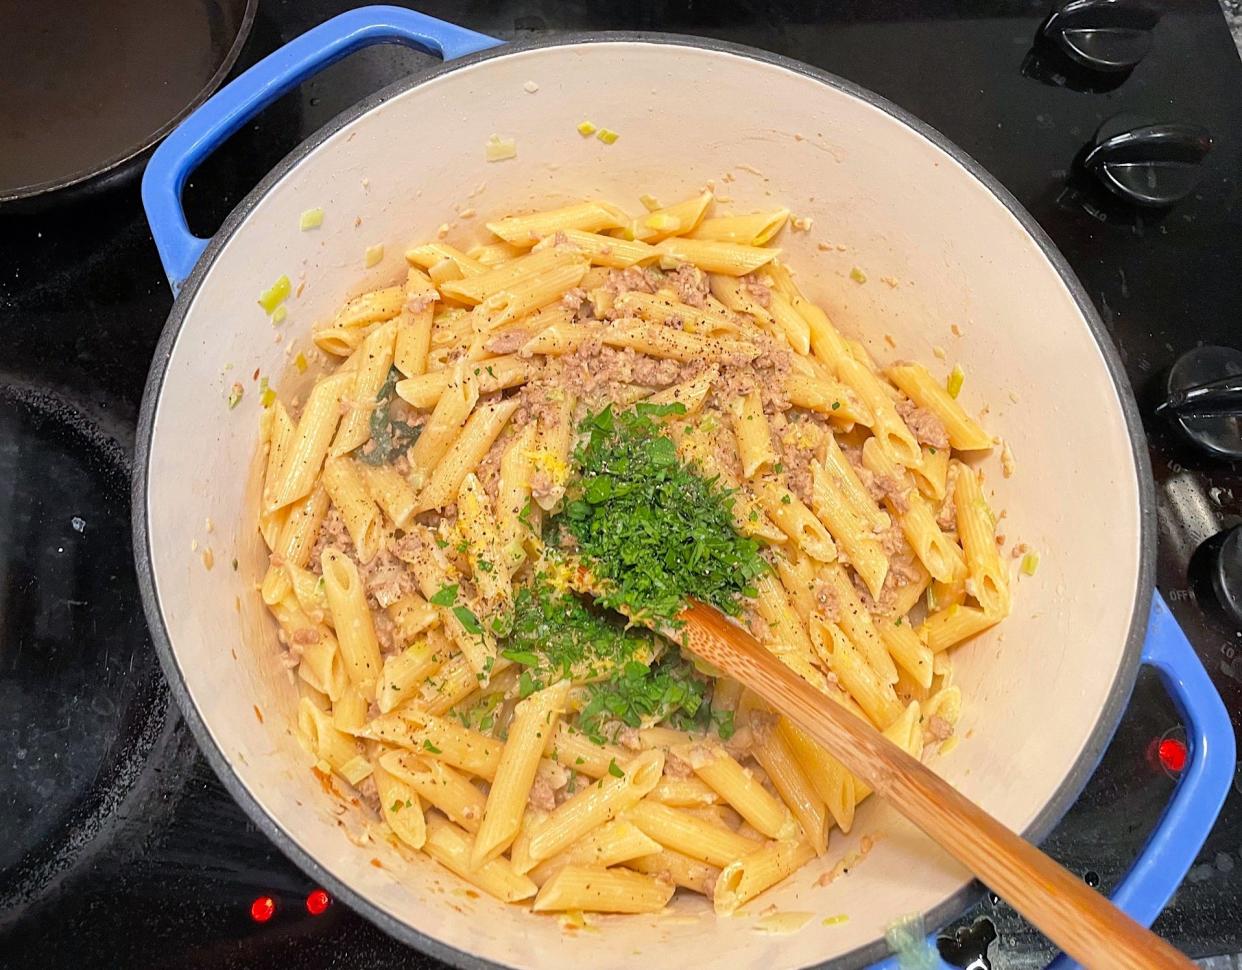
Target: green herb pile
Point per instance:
(557, 636)
(653, 529)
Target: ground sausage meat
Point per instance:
(924, 425)
(690, 282)
(542, 795)
(938, 728)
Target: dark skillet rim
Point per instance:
(1109, 716)
(22, 193)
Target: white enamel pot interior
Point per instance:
(950, 261)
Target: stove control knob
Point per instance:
(1203, 400)
(1216, 575)
(1102, 35)
(1152, 165)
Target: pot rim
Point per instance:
(1123, 683)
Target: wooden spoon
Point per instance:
(1079, 920)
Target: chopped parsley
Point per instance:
(447, 596)
(670, 690)
(468, 620)
(650, 526)
(389, 437)
(556, 636)
(428, 746)
(615, 769)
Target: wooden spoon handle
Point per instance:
(1079, 920)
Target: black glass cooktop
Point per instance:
(120, 847)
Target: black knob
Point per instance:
(1102, 35)
(1210, 420)
(1152, 165)
(1216, 575)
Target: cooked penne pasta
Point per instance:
(756, 229)
(602, 890)
(464, 455)
(525, 456)
(451, 847)
(711, 256)
(964, 432)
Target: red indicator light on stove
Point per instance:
(262, 909)
(1172, 753)
(317, 902)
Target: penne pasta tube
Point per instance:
(755, 229)
(791, 324)
(910, 653)
(987, 579)
(375, 361)
(553, 442)
(513, 497)
(411, 615)
(348, 328)
(349, 494)
(855, 620)
(665, 307)
(438, 785)
(451, 847)
(688, 873)
(950, 626)
(690, 835)
(576, 751)
(559, 339)
(730, 780)
(403, 673)
(349, 711)
(464, 455)
(390, 490)
(874, 696)
(529, 294)
(830, 779)
(745, 878)
(326, 742)
(401, 808)
(753, 436)
(775, 756)
(964, 432)
(308, 589)
(611, 844)
(731, 259)
(305, 453)
(351, 618)
(492, 282)
(671, 220)
(443, 427)
(492, 375)
(735, 294)
(932, 476)
(684, 792)
(852, 488)
(280, 438)
(430, 254)
(495, 253)
(478, 524)
(827, 396)
(431, 736)
(534, 721)
(586, 216)
(658, 341)
(833, 509)
(597, 804)
(935, 550)
(598, 890)
(803, 527)
(601, 250)
(414, 324)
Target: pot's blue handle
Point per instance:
(1200, 792)
(234, 105)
